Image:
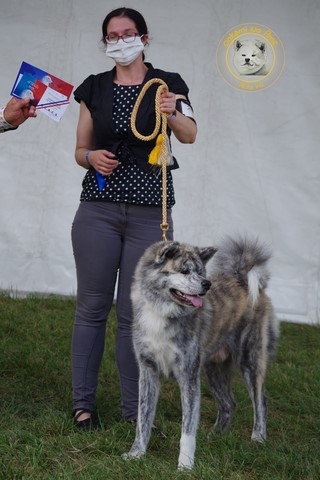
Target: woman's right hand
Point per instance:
(103, 161)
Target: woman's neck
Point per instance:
(130, 74)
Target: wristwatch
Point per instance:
(4, 125)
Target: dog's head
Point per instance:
(172, 276)
(250, 56)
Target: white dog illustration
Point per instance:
(47, 80)
(27, 94)
(250, 57)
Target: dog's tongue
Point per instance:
(195, 300)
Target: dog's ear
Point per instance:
(167, 250)
(207, 253)
(237, 45)
(260, 45)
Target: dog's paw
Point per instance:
(185, 462)
(132, 455)
(216, 430)
(258, 437)
(183, 467)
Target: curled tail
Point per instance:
(244, 259)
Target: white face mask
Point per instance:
(125, 53)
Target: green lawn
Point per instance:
(38, 440)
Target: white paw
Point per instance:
(184, 467)
(185, 462)
(187, 449)
(132, 455)
(258, 437)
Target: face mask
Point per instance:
(125, 53)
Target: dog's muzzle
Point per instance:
(192, 300)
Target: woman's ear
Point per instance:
(145, 39)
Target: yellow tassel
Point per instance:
(156, 151)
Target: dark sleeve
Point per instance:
(177, 85)
(84, 91)
(174, 81)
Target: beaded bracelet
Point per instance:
(173, 115)
(87, 158)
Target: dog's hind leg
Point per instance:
(189, 383)
(253, 364)
(219, 379)
(149, 386)
(255, 384)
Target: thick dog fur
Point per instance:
(186, 319)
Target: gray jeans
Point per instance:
(108, 240)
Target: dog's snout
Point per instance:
(247, 60)
(206, 284)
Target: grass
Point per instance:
(38, 440)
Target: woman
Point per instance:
(120, 208)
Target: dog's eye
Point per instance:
(185, 270)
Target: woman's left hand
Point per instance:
(183, 127)
(167, 102)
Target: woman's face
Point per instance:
(119, 26)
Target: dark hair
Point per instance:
(134, 15)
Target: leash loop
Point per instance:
(164, 154)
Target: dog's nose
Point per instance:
(206, 284)
(247, 60)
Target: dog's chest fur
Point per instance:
(162, 341)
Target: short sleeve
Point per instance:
(175, 82)
(177, 85)
(84, 91)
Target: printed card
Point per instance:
(49, 94)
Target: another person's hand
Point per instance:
(18, 110)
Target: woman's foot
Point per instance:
(82, 420)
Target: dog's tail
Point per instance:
(246, 260)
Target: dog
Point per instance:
(250, 57)
(186, 319)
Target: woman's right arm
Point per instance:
(84, 136)
(102, 161)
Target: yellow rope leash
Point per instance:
(164, 156)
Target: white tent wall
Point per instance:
(254, 169)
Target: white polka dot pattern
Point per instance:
(128, 183)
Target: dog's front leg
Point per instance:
(189, 384)
(149, 386)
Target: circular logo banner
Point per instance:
(250, 57)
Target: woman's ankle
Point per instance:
(81, 415)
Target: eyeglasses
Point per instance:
(127, 38)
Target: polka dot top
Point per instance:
(128, 183)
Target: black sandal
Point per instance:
(84, 425)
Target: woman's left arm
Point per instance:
(183, 127)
